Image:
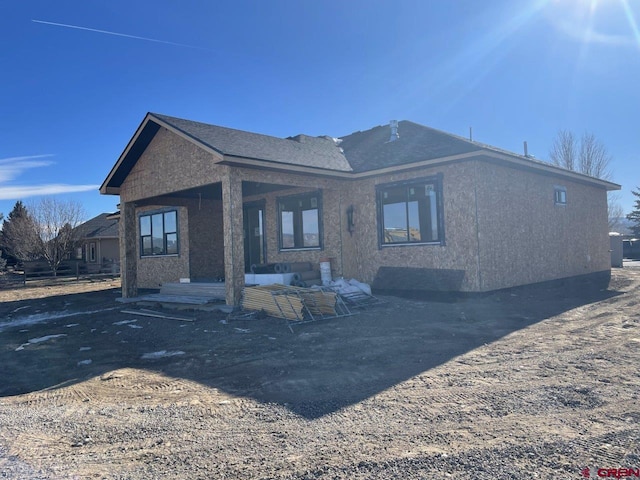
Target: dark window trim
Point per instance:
(556, 190)
(437, 180)
(150, 213)
(316, 193)
(262, 203)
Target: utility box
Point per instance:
(615, 239)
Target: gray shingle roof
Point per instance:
(99, 227)
(319, 152)
(358, 152)
(372, 150)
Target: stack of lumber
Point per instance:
(292, 303)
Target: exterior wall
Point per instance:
(206, 239)
(153, 271)
(363, 256)
(526, 238)
(332, 212)
(170, 164)
(128, 250)
(108, 249)
(502, 228)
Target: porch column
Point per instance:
(233, 237)
(128, 255)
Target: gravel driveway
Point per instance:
(525, 383)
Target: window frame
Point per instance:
(91, 252)
(165, 233)
(559, 195)
(436, 181)
(297, 216)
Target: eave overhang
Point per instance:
(151, 125)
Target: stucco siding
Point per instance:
(525, 237)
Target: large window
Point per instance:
(159, 233)
(411, 212)
(300, 221)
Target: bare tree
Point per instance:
(615, 212)
(56, 222)
(19, 236)
(564, 151)
(594, 158)
(44, 230)
(587, 155)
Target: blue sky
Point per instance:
(77, 77)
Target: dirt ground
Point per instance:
(525, 383)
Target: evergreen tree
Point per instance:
(634, 216)
(19, 237)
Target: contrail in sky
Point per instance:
(117, 34)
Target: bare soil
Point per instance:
(527, 383)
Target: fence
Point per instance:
(68, 269)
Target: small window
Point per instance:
(159, 234)
(300, 221)
(411, 212)
(560, 195)
(92, 252)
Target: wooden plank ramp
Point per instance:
(195, 289)
(195, 293)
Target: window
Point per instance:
(560, 195)
(92, 252)
(300, 221)
(159, 234)
(411, 212)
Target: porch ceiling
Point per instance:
(213, 191)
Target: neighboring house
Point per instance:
(99, 244)
(404, 206)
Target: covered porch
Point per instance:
(215, 232)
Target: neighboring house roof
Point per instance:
(362, 153)
(99, 227)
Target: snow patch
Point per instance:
(124, 322)
(45, 317)
(46, 338)
(84, 362)
(161, 354)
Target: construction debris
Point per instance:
(355, 294)
(295, 304)
(152, 313)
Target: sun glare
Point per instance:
(604, 22)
